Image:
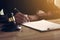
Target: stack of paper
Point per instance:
(42, 25)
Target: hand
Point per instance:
(20, 18)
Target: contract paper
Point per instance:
(42, 25)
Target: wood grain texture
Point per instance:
(30, 34)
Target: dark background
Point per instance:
(31, 6)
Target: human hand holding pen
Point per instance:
(21, 18)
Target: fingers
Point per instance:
(20, 18)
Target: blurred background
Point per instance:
(32, 6)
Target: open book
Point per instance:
(42, 25)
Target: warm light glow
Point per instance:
(57, 3)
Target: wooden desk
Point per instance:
(30, 34)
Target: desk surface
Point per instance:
(30, 34)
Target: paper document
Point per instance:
(42, 25)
